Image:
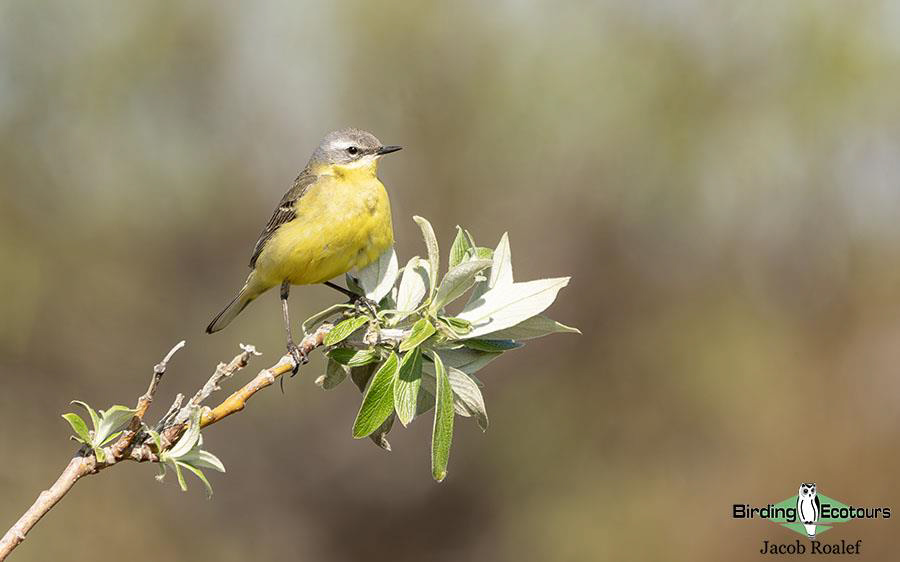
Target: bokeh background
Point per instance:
(722, 181)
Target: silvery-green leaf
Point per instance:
(456, 282)
(468, 395)
(353, 357)
(425, 400)
(111, 420)
(352, 285)
(181, 483)
(110, 438)
(428, 385)
(378, 277)
(414, 284)
(492, 345)
(507, 305)
(379, 436)
(343, 330)
(434, 253)
(442, 431)
(421, 331)
(189, 438)
(78, 426)
(482, 283)
(197, 472)
(100, 454)
(318, 317)
(534, 327)
(95, 419)
(199, 458)
(378, 400)
(471, 240)
(406, 386)
(501, 268)
(459, 249)
(466, 360)
(335, 373)
(156, 438)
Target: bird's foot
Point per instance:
(299, 356)
(361, 303)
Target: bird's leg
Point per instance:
(356, 299)
(347, 292)
(300, 358)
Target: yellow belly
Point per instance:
(343, 222)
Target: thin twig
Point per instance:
(79, 466)
(223, 371)
(143, 404)
(127, 447)
(266, 377)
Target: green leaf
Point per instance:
(459, 249)
(379, 436)
(534, 327)
(414, 285)
(456, 282)
(468, 396)
(425, 401)
(78, 426)
(335, 373)
(458, 325)
(361, 375)
(421, 331)
(353, 357)
(379, 277)
(319, 317)
(343, 330)
(181, 483)
(507, 305)
(156, 438)
(434, 253)
(492, 345)
(197, 472)
(442, 431)
(111, 420)
(482, 253)
(378, 401)
(406, 387)
(110, 438)
(95, 419)
(471, 241)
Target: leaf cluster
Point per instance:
(414, 355)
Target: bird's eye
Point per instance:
(352, 150)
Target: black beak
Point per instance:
(387, 150)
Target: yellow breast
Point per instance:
(343, 222)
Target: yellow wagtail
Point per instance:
(337, 216)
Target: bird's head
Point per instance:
(349, 150)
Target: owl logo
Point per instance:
(808, 507)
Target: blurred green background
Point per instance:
(722, 181)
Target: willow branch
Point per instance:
(131, 445)
(266, 377)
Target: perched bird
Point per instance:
(336, 217)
